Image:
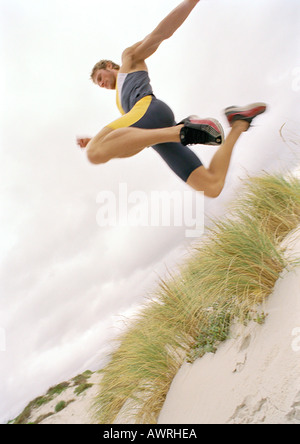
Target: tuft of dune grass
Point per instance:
(227, 275)
(275, 201)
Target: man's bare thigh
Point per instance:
(103, 133)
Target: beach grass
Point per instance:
(227, 276)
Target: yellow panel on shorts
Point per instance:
(134, 115)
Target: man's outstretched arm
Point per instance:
(144, 49)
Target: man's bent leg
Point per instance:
(126, 142)
(212, 180)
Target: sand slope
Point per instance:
(254, 377)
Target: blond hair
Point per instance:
(103, 65)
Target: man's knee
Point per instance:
(203, 180)
(95, 154)
(214, 189)
(96, 158)
(96, 149)
(211, 189)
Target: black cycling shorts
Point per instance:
(151, 113)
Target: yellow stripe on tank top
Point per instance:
(134, 115)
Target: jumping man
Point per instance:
(147, 121)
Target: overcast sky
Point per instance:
(66, 281)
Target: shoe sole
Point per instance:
(213, 126)
(246, 112)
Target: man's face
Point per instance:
(105, 78)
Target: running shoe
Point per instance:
(247, 113)
(201, 131)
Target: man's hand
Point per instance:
(82, 142)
